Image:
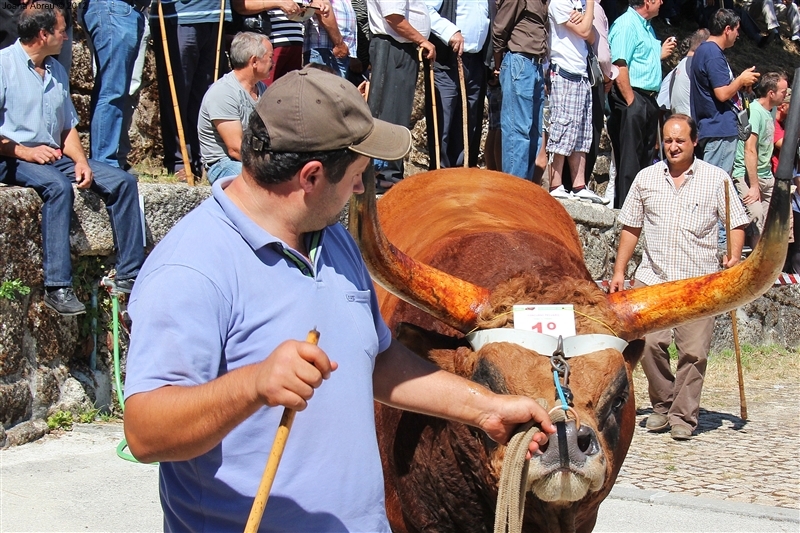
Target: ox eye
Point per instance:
(619, 401)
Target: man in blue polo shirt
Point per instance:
(264, 260)
(638, 54)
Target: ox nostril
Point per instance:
(587, 441)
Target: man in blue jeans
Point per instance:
(115, 29)
(40, 148)
(519, 36)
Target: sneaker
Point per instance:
(561, 193)
(680, 432)
(585, 195)
(795, 38)
(63, 301)
(656, 422)
(124, 285)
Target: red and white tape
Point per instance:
(783, 279)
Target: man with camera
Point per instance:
(715, 100)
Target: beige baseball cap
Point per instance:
(310, 110)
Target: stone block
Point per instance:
(12, 333)
(16, 402)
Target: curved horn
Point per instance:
(665, 305)
(452, 300)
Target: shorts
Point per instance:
(570, 116)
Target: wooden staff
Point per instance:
(187, 167)
(464, 116)
(742, 400)
(219, 37)
(275, 454)
(433, 107)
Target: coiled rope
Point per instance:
(512, 488)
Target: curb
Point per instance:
(659, 497)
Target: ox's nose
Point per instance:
(570, 445)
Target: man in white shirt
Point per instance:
(570, 135)
(399, 28)
(458, 29)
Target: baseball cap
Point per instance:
(310, 110)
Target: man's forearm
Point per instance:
(628, 238)
(404, 380)
(623, 82)
(404, 29)
(331, 27)
(73, 148)
(204, 413)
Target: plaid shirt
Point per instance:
(317, 37)
(680, 225)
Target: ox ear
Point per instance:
(633, 352)
(422, 341)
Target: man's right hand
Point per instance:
(753, 195)
(749, 77)
(430, 50)
(617, 283)
(290, 7)
(40, 155)
(290, 374)
(457, 43)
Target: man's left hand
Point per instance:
(341, 50)
(512, 411)
(457, 43)
(728, 263)
(83, 175)
(753, 195)
(668, 46)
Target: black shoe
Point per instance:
(124, 285)
(63, 301)
(768, 38)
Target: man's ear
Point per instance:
(311, 175)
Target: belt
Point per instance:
(569, 75)
(141, 7)
(536, 59)
(651, 94)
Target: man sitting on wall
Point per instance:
(40, 148)
(227, 105)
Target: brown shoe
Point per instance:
(680, 432)
(657, 423)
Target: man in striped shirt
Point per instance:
(678, 204)
(637, 53)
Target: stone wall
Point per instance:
(45, 359)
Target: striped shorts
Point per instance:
(570, 116)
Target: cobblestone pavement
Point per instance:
(755, 461)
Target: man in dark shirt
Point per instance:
(519, 36)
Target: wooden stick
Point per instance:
(275, 454)
(464, 116)
(742, 399)
(219, 38)
(187, 167)
(435, 118)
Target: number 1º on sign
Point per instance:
(539, 326)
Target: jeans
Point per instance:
(115, 29)
(323, 56)
(223, 168)
(720, 152)
(133, 98)
(522, 80)
(53, 182)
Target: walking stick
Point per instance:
(184, 153)
(742, 400)
(433, 107)
(219, 37)
(464, 116)
(275, 454)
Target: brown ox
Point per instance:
(473, 244)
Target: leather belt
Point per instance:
(536, 59)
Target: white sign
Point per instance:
(553, 320)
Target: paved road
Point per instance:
(75, 482)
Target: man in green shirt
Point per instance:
(752, 172)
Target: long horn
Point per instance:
(663, 306)
(452, 300)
